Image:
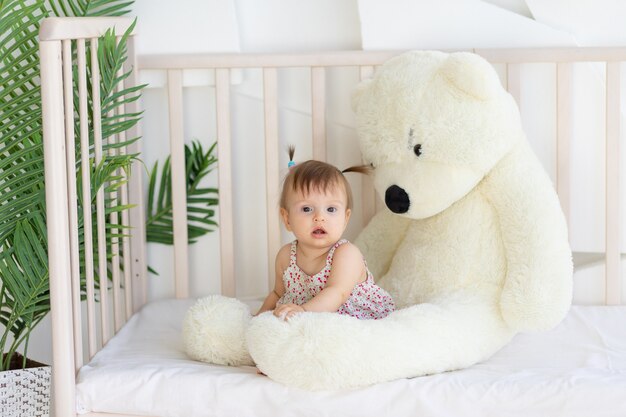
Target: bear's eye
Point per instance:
(417, 149)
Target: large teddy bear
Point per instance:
(472, 244)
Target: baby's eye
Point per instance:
(307, 209)
(332, 209)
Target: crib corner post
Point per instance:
(63, 370)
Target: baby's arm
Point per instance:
(348, 270)
(282, 260)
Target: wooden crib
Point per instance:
(76, 337)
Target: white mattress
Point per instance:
(577, 369)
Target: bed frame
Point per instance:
(128, 288)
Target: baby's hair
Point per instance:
(292, 150)
(316, 175)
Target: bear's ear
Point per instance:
(357, 94)
(471, 74)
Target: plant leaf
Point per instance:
(159, 220)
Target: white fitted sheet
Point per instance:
(577, 369)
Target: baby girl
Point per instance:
(320, 271)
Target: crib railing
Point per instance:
(58, 37)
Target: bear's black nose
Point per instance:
(397, 199)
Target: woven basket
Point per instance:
(25, 392)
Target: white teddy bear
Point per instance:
(472, 246)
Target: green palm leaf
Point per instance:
(160, 221)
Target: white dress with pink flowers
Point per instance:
(367, 301)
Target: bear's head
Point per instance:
(432, 125)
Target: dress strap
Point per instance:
(292, 253)
(331, 252)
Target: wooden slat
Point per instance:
(120, 255)
(70, 149)
(558, 55)
(318, 110)
(85, 167)
(227, 255)
(513, 79)
(564, 135)
(126, 254)
(139, 268)
(368, 193)
(613, 221)
(365, 72)
(270, 98)
(229, 61)
(100, 215)
(115, 245)
(179, 188)
(115, 267)
(58, 28)
(63, 376)
(373, 58)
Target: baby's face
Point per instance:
(317, 218)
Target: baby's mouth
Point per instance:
(319, 232)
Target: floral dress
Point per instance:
(367, 300)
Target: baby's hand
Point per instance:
(285, 311)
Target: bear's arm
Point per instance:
(537, 289)
(379, 240)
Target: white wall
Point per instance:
(308, 25)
